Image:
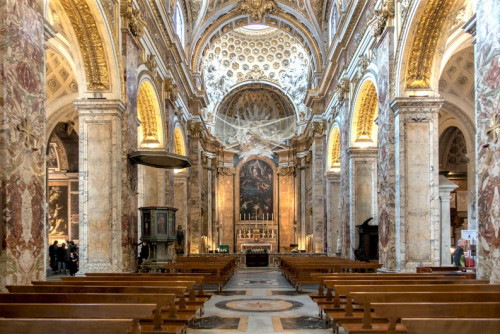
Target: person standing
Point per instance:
(53, 256)
(61, 259)
(459, 253)
(73, 263)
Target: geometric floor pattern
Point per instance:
(259, 300)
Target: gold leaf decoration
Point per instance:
(424, 44)
(89, 39)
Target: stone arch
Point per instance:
(150, 132)
(453, 150)
(363, 132)
(423, 39)
(333, 160)
(93, 42)
(275, 89)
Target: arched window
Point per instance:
(179, 22)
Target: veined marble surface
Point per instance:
(269, 306)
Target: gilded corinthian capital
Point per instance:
(379, 20)
(133, 19)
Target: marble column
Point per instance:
(334, 224)
(487, 71)
(193, 229)
(417, 183)
(445, 188)
(130, 122)
(210, 201)
(363, 189)
(318, 192)
(344, 181)
(385, 144)
(181, 199)
(302, 199)
(286, 198)
(227, 200)
(100, 149)
(22, 143)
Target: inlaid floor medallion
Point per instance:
(259, 305)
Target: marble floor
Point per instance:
(260, 300)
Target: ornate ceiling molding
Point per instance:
(89, 39)
(148, 110)
(237, 97)
(380, 16)
(365, 110)
(132, 19)
(234, 20)
(256, 9)
(179, 144)
(424, 44)
(334, 149)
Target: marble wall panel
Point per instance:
(417, 182)
(129, 218)
(318, 194)
(362, 186)
(226, 202)
(98, 135)
(169, 174)
(194, 195)
(100, 185)
(487, 49)
(386, 163)
(333, 212)
(151, 181)
(286, 210)
(180, 200)
(347, 250)
(22, 137)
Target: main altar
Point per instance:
(256, 235)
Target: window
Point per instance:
(179, 23)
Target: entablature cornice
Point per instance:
(170, 53)
(334, 65)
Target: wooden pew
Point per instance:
(427, 284)
(367, 298)
(179, 291)
(396, 311)
(298, 271)
(364, 295)
(60, 326)
(188, 285)
(451, 325)
(200, 278)
(81, 311)
(164, 301)
(321, 278)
